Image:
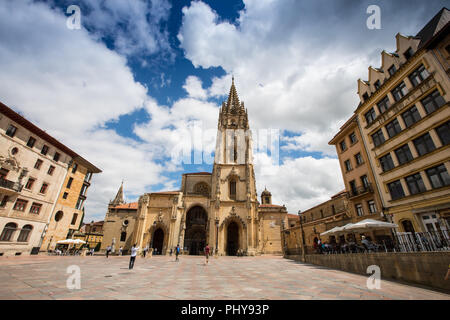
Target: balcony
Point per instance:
(359, 191)
(9, 187)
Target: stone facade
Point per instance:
(218, 208)
(33, 168)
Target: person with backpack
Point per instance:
(108, 250)
(177, 252)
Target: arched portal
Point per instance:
(195, 235)
(158, 241)
(232, 239)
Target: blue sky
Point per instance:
(129, 84)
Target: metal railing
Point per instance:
(9, 185)
(360, 190)
(399, 242)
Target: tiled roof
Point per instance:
(292, 216)
(439, 21)
(197, 173)
(166, 192)
(132, 205)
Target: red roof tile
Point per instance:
(132, 205)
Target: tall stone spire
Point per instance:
(233, 105)
(119, 197)
(233, 114)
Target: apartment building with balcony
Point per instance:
(358, 176)
(404, 119)
(33, 168)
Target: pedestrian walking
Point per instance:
(120, 251)
(134, 251)
(170, 252)
(145, 251)
(108, 250)
(206, 254)
(177, 252)
(92, 252)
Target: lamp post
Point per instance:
(301, 220)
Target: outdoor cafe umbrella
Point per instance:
(71, 241)
(369, 224)
(336, 230)
(331, 231)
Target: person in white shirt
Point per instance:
(134, 251)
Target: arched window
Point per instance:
(58, 215)
(123, 236)
(24, 234)
(201, 188)
(233, 189)
(407, 226)
(8, 231)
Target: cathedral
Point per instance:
(218, 208)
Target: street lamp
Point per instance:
(301, 220)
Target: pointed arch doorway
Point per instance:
(196, 226)
(232, 239)
(158, 241)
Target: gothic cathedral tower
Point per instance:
(233, 196)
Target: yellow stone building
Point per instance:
(219, 208)
(404, 120)
(68, 212)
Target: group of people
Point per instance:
(348, 246)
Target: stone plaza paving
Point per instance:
(160, 277)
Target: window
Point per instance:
(343, 145)
(233, 189)
(353, 138)
(353, 187)
(75, 167)
(88, 176)
(384, 104)
(24, 233)
(386, 162)
(378, 138)
(35, 208)
(359, 210)
(444, 133)
(370, 116)
(44, 188)
(377, 84)
(393, 128)
(38, 164)
(69, 183)
(59, 215)
(365, 96)
(411, 116)
(56, 156)
(359, 159)
(408, 53)
(30, 183)
(3, 173)
(65, 195)
(415, 184)
(365, 181)
(438, 176)
(79, 204)
(44, 150)
(123, 236)
(399, 91)
(403, 154)
(407, 226)
(50, 170)
(8, 231)
(4, 201)
(418, 75)
(396, 190)
(433, 102)
(31, 142)
(74, 218)
(84, 188)
(14, 151)
(348, 165)
(372, 207)
(20, 205)
(392, 70)
(11, 131)
(424, 144)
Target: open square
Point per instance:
(155, 278)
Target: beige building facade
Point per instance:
(404, 120)
(218, 208)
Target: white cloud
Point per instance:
(193, 87)
(70, 85)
